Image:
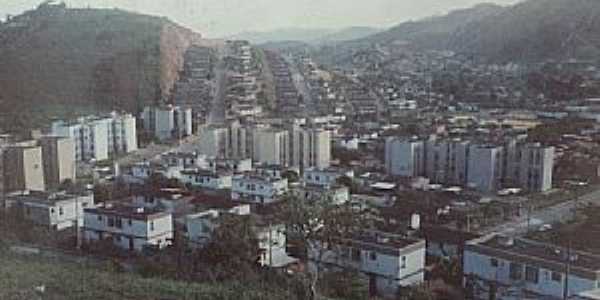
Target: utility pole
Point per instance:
(567, 271)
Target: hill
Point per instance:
(283, 35)
(532, 30)
(80, 58)
(348, 34)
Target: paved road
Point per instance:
(558, 213)
(301, 85)
(217, 112)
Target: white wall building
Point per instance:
(484, 171)
(207, 179)
(520, 267)
(310, 148)
(258, 189)
(271, 146)
(97, 138)
(324, 177)
(404, 157)
(213, 141)
(388, 261)
(57, 211)
(129, 228)
(168, 122)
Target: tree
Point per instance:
(291, 176)
(233, 250)
(319, 226)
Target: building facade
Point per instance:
(58, 156)
(258, 189)
(23, 169)
(129, 228)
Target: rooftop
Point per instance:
(129, 212)
(532, 251)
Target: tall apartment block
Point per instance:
(169, 122)
(310, 148)
(58, 156)
(271, 146)
(404, 157)
(23, 169)
(98, 138)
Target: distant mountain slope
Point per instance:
(347, 34)
(283, 35)
(531, 30)
(109, 59)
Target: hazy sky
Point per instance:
(216, 18)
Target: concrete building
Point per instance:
(169, 122)
(271, 146)
(324, 177)
(404, 157)
(23, 169)
(528, 166)
(310, 148)
(206, 179)
(128, 227)
(214, 141)
(258, 189)
(521, 269)
(98, 138)
(337, 194)
(446, 161)
(58, 156)
(388, 261)
(485, 167)
(57, 211)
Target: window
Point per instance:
(556, 276)
(152, 226)
(355, 254)
(494, 262)
(52, 211)
(403, 264)
(111, 222)
(532, 274)
(373, 255)
(119, 223)
(516, 271)
(129, 222)
(60, 211)
(99, 218)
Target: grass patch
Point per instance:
(62, 280)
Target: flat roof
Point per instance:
(531, 252)
(129, 212)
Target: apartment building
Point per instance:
(324, 177)
(56, 211)
(128, 227)
(404, 157)
(207, 179)
(310, 148)
(23, 169)
(214, 141)
(387, 260)
(520, 268)
(58, 157)
(484, 167)
(271, 146)
(98, 138)
(258, 189)
(168, 122)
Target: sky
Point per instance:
(222, 18)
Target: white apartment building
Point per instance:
(388, 261)
(310, 148)
(185, 159)
(521, 268)
(128, 227)
(404, 157)
(213, 141)
(200, 226)
(446, 161)
(207, 179)
(97, 138)
(485, 167)
(168, 122)
(324, 177)
(258, 189)
(57, 211)
(528, 166)
(271, 146)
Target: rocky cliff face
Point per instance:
(88, 58)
